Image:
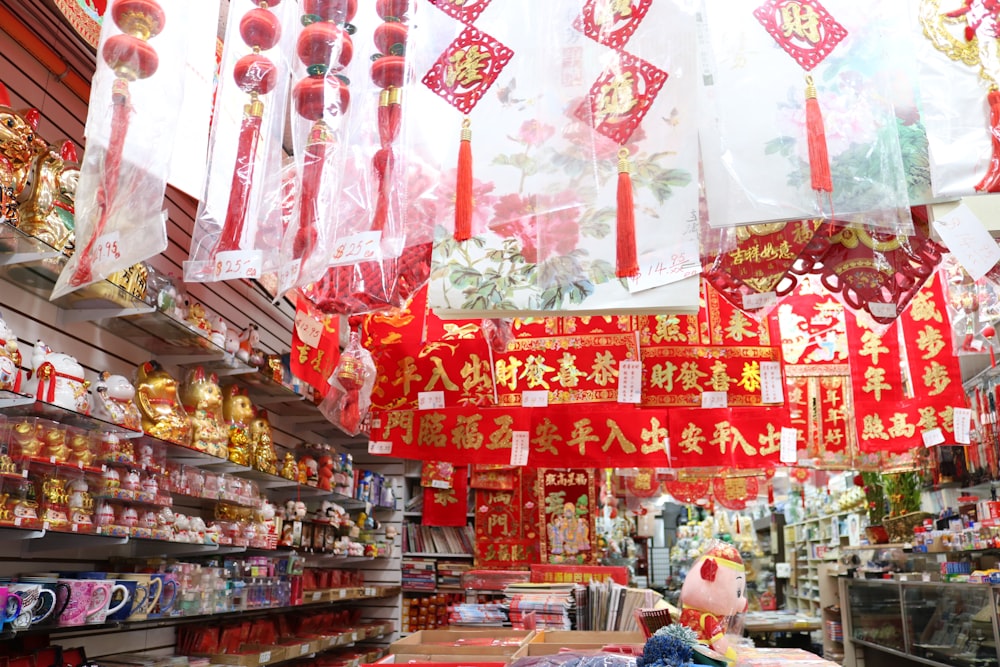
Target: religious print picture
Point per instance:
(567, 515)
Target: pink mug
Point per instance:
(104, 590)
(85, 600)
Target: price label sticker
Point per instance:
(304, 649)
(771, 385)
(343, 593)
(519, 447)
(440, 484)
(534, 398)
(962, 421)
(380, 447)
(106, 248)
(789, 445)
(317, 596)
(369, 592)
(714, 399)
(933, 437)
(308, 328)
(289, 273)
(430, 400)
(758, 300)
(681, 264)
(354, 636)
(237, 264)
(630, 382)
(882, 310)
(360, 247)
(968, 240)
(265, 657)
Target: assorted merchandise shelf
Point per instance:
(809, 544)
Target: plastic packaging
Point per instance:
(245, 146)
(577, 659)
(756, 122)
(130, 138)
(973, 308)
(347, 403)
(544, 180)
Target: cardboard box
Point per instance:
(460, 660)
(462, 642)
(548, 642)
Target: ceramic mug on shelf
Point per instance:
(136, 593)
(168, 593)
(37, 603)
(148, 590)
(10, 606)
(84, 601)
(60, 590)
(107, 590)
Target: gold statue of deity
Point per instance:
(163, 415)
(238, 412)
(202, 398)
(47, 211)
(19, 146)
(289, 469)
(263, 456)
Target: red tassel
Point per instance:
(463, 186)
(991, 181)
(109, 183)
(312, 175)
(350, 415)
(627, 263)
(819, 157)
(389, 118)
(239, 193)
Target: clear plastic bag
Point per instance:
(347, 403)
(754, 120)
(245, 147)
(130, 131)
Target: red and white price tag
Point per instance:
(933, 437)
(534, 398)
(381, 447)
(430, 400)
(106, 248)
(682, 264)
(440, 484)
(962, 421)
(630, 382)
(289, 273)
(265, 657)
(519, 447)
(308, 328)
(771, 386)
(237, 264)
(360, 247)
(714, 399)
(789, 445)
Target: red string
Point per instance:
(239, 193)
(312, 175)
(627, 264)
(389, 117)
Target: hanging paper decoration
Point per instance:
(86, 17)
(437, 474)
(245, 149)
(714, 438)
(567, 512)
(642, 484)
(315, 346)
(688, 492)
(507, 524)
(734, 493)
(778, 145)
(494, 477)
(448, 507)
(119, 217)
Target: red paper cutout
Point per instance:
(467, 68)
(466, 11)
(687, 492)
(734, 493)
(620, 98)
(611, 22)
(803, 28)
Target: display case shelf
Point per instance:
(20, 405)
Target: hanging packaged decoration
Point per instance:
(688, 492)
(315, 346)
(448, 507)
(245, 149)
(347, 403)
(119, 217)
(780, 146)
(507, 524)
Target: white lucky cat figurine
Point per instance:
(58, 378)
(114, 401)
(10, 359)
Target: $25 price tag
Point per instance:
(237, 264)
(360, 247)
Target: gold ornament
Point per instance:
(263, 457)
(238, 412)
(202, 399)
(163, 415)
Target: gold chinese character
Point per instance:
(834, 415)
(406, 373)
(608, 11)
(465, 66)
(303, 351)
(643, 480)
(740, 327)
(899, 428)
(662, 376)
(603, 370)
(740, 440)
(930, 342)
(800, 20)
(654, 438)
(617, 98)
(750, 377)
(796, 395)
(936, 378)
(689, 375)
(503, 436)
(431, 430)
(668, 328)
(720, 379)
(834, 436)
(400, 419)
(466, 433)
(692, 440)
(873, 428)
(550, 479)
(445, 497)
(476, 381)
(615, 435)
(534, 371)
(583, 433)
(875, 382)
(546, 435)
(947, 419)
(722, 437)
(770, 442)
(568, 375)
(871, 346)
(439, 374)
(922, 308)
(317, 363)
(928, 419)
(506, 374)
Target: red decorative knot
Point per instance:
(467, 68)
(260, 29)
(611, 23)
(803, 28)
(255, 74)
(621, 96)
(466, 11)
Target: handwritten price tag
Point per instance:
(381, 447)
(789, 445)
(534, 398)
(237, 264)
(963, 424)
(440, 484)
(933, 437)
(758, 300)
(771, 390)
(106, 248)
(884, 310)
(289, 273)
(630, 382)
(967, 239)
(430, 400)
(714, 399)
(682, 264)
(360, 247)
(308, 328)
(519, 446)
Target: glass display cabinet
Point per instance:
(938, 623)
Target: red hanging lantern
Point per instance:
(131, 57)
(687, 492)
(734, 493)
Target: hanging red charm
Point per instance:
(388, 72)
(610, 23)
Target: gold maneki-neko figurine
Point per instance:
(163, 416)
